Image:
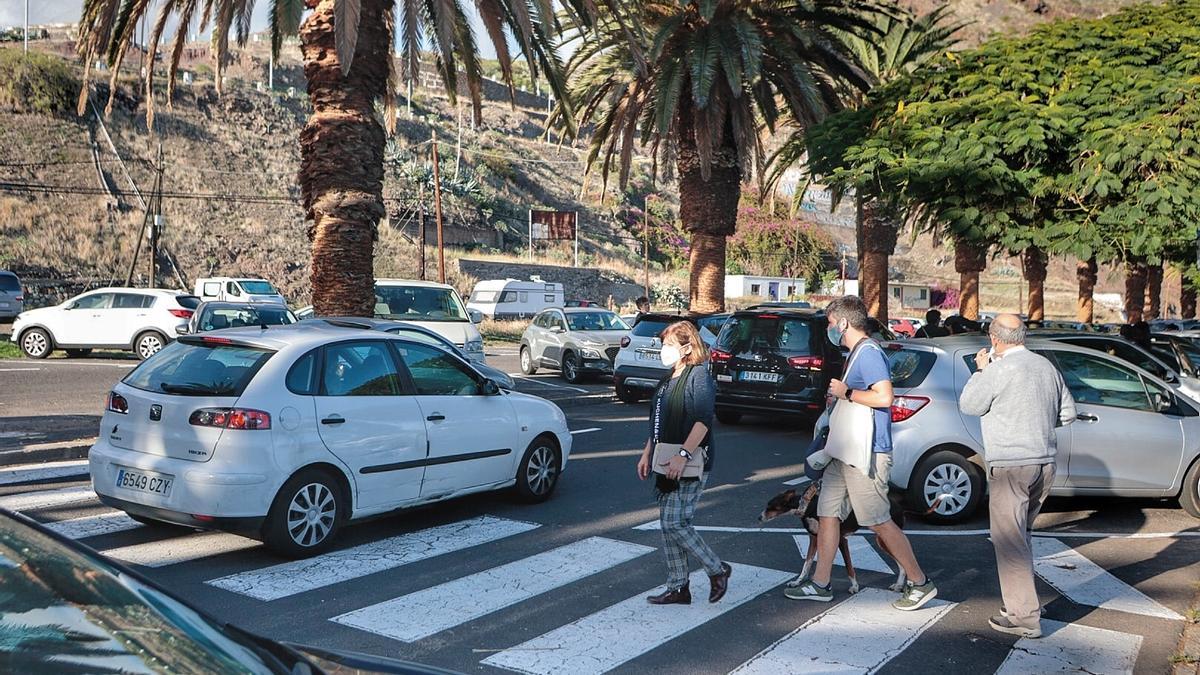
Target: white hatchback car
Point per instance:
(286, 434)
(141, 320)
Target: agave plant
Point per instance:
(349, 66)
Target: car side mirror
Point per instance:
(475, 315)
(1171, 378)
(489, 388)
(1163, 404)
(70, 305)
(182, 329)
(557, 329)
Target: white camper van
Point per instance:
(232, 289)
(430, 305)
(509, 299)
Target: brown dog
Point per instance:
(804, 505)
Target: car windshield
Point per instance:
(9, 283)
(67, 611)
(766, 333)
(199, 369)
(418, 303)
(216, 318)
(595, 321)
(257, 287)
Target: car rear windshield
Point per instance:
(199, 369)
(188, 301)
(9, 282)
(767, 333)
(910, 367)
(649, 327)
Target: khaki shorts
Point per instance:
(845, 489)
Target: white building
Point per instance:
(908, 296)
(767, 288)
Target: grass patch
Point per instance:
(9, 350)
(502, 331)
(1192, 615)
(1183, 658)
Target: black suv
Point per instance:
(773, 360)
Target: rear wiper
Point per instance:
(192, 388)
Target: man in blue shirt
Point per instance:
(868, 381)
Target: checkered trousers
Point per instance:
(679, 537)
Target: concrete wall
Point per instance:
(578, 283)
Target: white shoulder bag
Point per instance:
(852, 428)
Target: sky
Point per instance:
(12, 13)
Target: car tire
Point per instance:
(1189, 496)
(36, 343)
(78, 353)
(950, 479)
(318, 497)
(538, 472)
(625, 394)
(148, 344)
(570, 368)
(527, 365)
(729, 417)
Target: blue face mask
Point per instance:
(834, 334)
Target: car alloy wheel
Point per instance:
(541, 470)
(35, 344)
(311, 515)
(148, 345)
(527, 366)
(948, 486)
(570, 368)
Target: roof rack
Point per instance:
(344, 323)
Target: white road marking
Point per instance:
(547, 384)
(585, 431)
(17, 370)
(299, 576)
(1072, 648)
(94, 526)
(862, 554)
(1086, 583)
(612, 636)
(175, 550)
(653, 525)
(859, 635)
(432, 610)
(798, 481)
(34, 472)
(604, 455)
(28, 501)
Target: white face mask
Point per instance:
(670, 355)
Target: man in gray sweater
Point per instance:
(1021, 398)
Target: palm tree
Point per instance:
(900, 43)
(693, 80)
(349, 66)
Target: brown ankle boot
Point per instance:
(683, 596)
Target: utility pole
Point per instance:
(646, 244)
(421, 229)
(458, 144)
(26, 26)
(271, 70)
(437, 209)
(156, 220)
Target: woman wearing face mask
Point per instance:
(683, 414)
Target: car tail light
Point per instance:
(20, 298)
(768, 316)
(217, 340)
(231, 418)
(625, 342)
(181, 313)
(810, 362)
(204, 519)
(721, 356)
(117, 403)
(904, 407)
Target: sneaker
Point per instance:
(1004, 611)
(915, 597)
(809, 590)
(1005, 625)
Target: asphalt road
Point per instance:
(543, 588)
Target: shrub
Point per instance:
(36, 83)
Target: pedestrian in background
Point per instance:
(682, 414)
(643, 308)
(868, 382)
(933, 326)
(1021, 398)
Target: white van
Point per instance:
(231, 289)
(437, 307)
(509, 299)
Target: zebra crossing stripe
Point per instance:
(1072, 648)
(432, 610)
(175, 550)
(94, 526)
(862, 554)
(29, 501)
(299, 576)
(612, 636)
(1086, 583)
(26, 473)
(859, 635)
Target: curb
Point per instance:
(61, 451)
(1189, 643)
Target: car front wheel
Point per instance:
(36, 343)
(625, 394)
(537, 475)
(148, 344)
(946, 488)
(570, 368)
(1189, 497)
(527, 365)
(306, 516)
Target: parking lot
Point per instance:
(484, 584)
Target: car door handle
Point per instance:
(436, 417)
(334, 419)
(1087, 417)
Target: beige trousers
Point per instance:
(1016, 496)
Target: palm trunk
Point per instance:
(1034, 263)
(876, 242)
(1154, 279)
(341, 157)
(1187, 300)
(1135, 290)
(708, 209)
(1085, 273)
(970, 258)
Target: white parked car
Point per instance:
(287, 434)
(435, 306)
(230, 289)
(141, 320)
